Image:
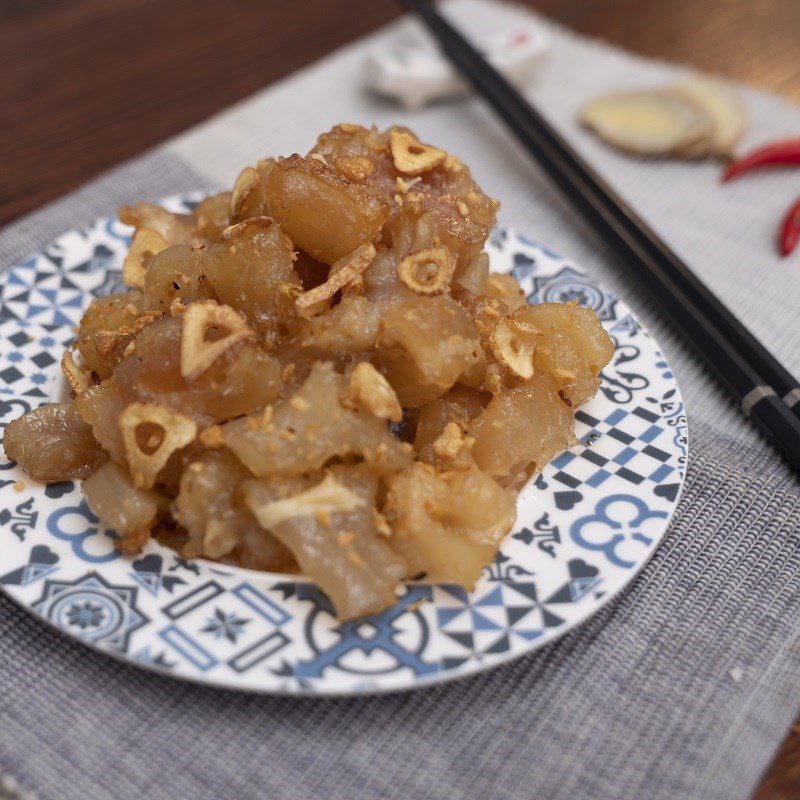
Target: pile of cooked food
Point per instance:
(316, 372)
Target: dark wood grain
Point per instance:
(87, 84)
(754, 41)
(782, 779)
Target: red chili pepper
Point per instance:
(790, 229)
(786, 152)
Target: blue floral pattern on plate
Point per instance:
(585, 526)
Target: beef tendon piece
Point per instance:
(421, 510)
(477, 505)
(211, 508)
(572, 346)
(426, 344)
(241, 380)
(252, 271)
(331, 527)
(322, 212)
(349, 327)
(52, 443)
(522, 429)
(129, 510)
(100, 407)
(460, 405)
(175, 277)
(108, 326)
(308, 429)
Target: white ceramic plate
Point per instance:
(585, 527)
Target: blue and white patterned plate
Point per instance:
(586, 525)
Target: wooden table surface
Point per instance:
(87, 84)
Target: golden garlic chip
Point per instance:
(248, 193)
(168, 431)
(145, 245)
(347, 269)
(354, 168)
(450, 442)
(367, 389)
(513, 344)
(219, 539)
(198, 354)
(326, 498)
(428, 272)
(412, 157)
(76, 377)
(232, 231)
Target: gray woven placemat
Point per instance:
(682, 688)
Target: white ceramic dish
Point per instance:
(585, 526)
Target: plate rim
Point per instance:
(333, 689)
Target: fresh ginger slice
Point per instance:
(655, 123)
(722, 106)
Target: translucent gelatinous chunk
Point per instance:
(242, 380)
(322, 213)
(211, 507)
(417, 505)
(342, 551)
(311, 427)
(426, 344)
(52, 443)
(522, 429)
(119, 504)
(572, 347)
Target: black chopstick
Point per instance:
(749, 372)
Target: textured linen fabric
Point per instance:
(681, 688)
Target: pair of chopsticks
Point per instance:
(764, 389)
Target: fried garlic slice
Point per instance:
(451, 441)
(513, 343)
(325, 499)
(652, 123)
(354, 168)
(232, 231)
(76, 377)
(248, 194)
(344, 271)
(197, 352)
(427, 272)
(367, 389)
(410, 156)
(166, 432)
(144, 246)
(219, 539)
